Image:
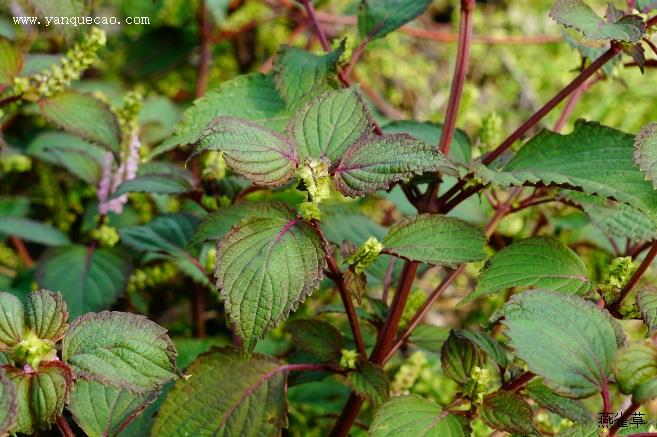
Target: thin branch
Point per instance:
(22, 251)
(206, 50)
(387, 280)
(519, 382)
(650, 256)
(606, 402)
(310, 10)
(626, 415)
(571, 103)
(64, 427)
(355, 56)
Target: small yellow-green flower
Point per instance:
(366, 255)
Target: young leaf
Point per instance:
(102, 410)
(329, 124)
(12, 321)
(435, 239)
(342, 223)
(252, 97)
(229, 394)
(168, 233)
(458, 357)
(89, 279)
(572, 409)
(154, 183)
(261, 155)
(487, 344)
(635, 368)
(122, 349)
(645, 154)
(8, 404)
(506, 411)
(578, 15)
(376, 163)
(646, 300)
(371, 382)
(85, 116)
(265, 268)
(430, 337)
(46, 315)
(300, 75)
(550, 158)
(377, 18)
(11, 64)
(410, 416)
(317, 337)
(540, 262)
(564, 338)
(31, 230)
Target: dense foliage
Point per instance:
(258, 217)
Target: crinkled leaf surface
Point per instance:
(377, 18)
(646, 300)
(123, 349)
(376, 163)
(413, 416)
(154, 183)
(229, 394)
(458, 357)
(507, 411)
(265, 268)
(539, 262)
(572, 409)
(564, 338)
(371, 382)
(31, 230)
(645, 155)
(83, 115)
(12, 321)
(460, 151)
(8, 404)
(317, 337)
(89, 279)
(635, 368)
(435, 239)
(486, 343)
(329, 124)
(46, 314)
(579, 15)
(260, 154)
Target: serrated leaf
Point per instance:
(329, 124)
(435, 239)
(8, 404)
(635, 368)
(300, 75)
(259, 154)
(34, 231)
(646, 300)
(11, 63)
(413, 416)
(377, 18)
(579, 15)
(230, 394)
(371, 382)
(83, 115)
(564, 338)
(265, 268)
(252, 97)
(554, 159)
(168, 233)
(89, 279)
(154, 183)
(572, 409)
(12, 321)
(46, 315)
(458, 358)
(376, 163)
(487, 344)
(645, 154)
(122, 349)
(319, 338)
(507, 411)
(539, 262)
(102, 410)
(430, 337)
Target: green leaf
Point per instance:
(377, 18)
(646, 300)
(89, 279)
(122, 349)
(11, 63)
(229, 394)
(371, 382)
(572, 409)
(40, 395)
(635, 368)
(507, 411)
(413, 416)
(8, 404)
(265, 268)
(85, 116)
(252, 97)
(168, 233)
(46, 315)
(329, 124)
(645, 155)
(317, 337)
(430, 337)
(101, 410)
(343, 223)
(83, 159)
(458, 358)
(34, 231)
(487, 344)
(578, 15)
(376, 163)
(646, 6)
(435, 239)
(554, 159)
(12, 321)
(583, 430)
(261, 155)
(300, 75)
(460, 150)
(540, 262)
(154, 183)
(564, 338)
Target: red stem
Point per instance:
(650, 256)
(604, 392)
(22, 251)
(64, 427)
(519, 382)
(358, 52)
(310, 10)
(206, 50)
(626, 414)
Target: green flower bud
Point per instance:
(348, 359)
(106, 236)
(366, 255)
(214, 166)
(32, 350)
(617, 274)
(15, 162)
(491, 130)
(317, 182)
